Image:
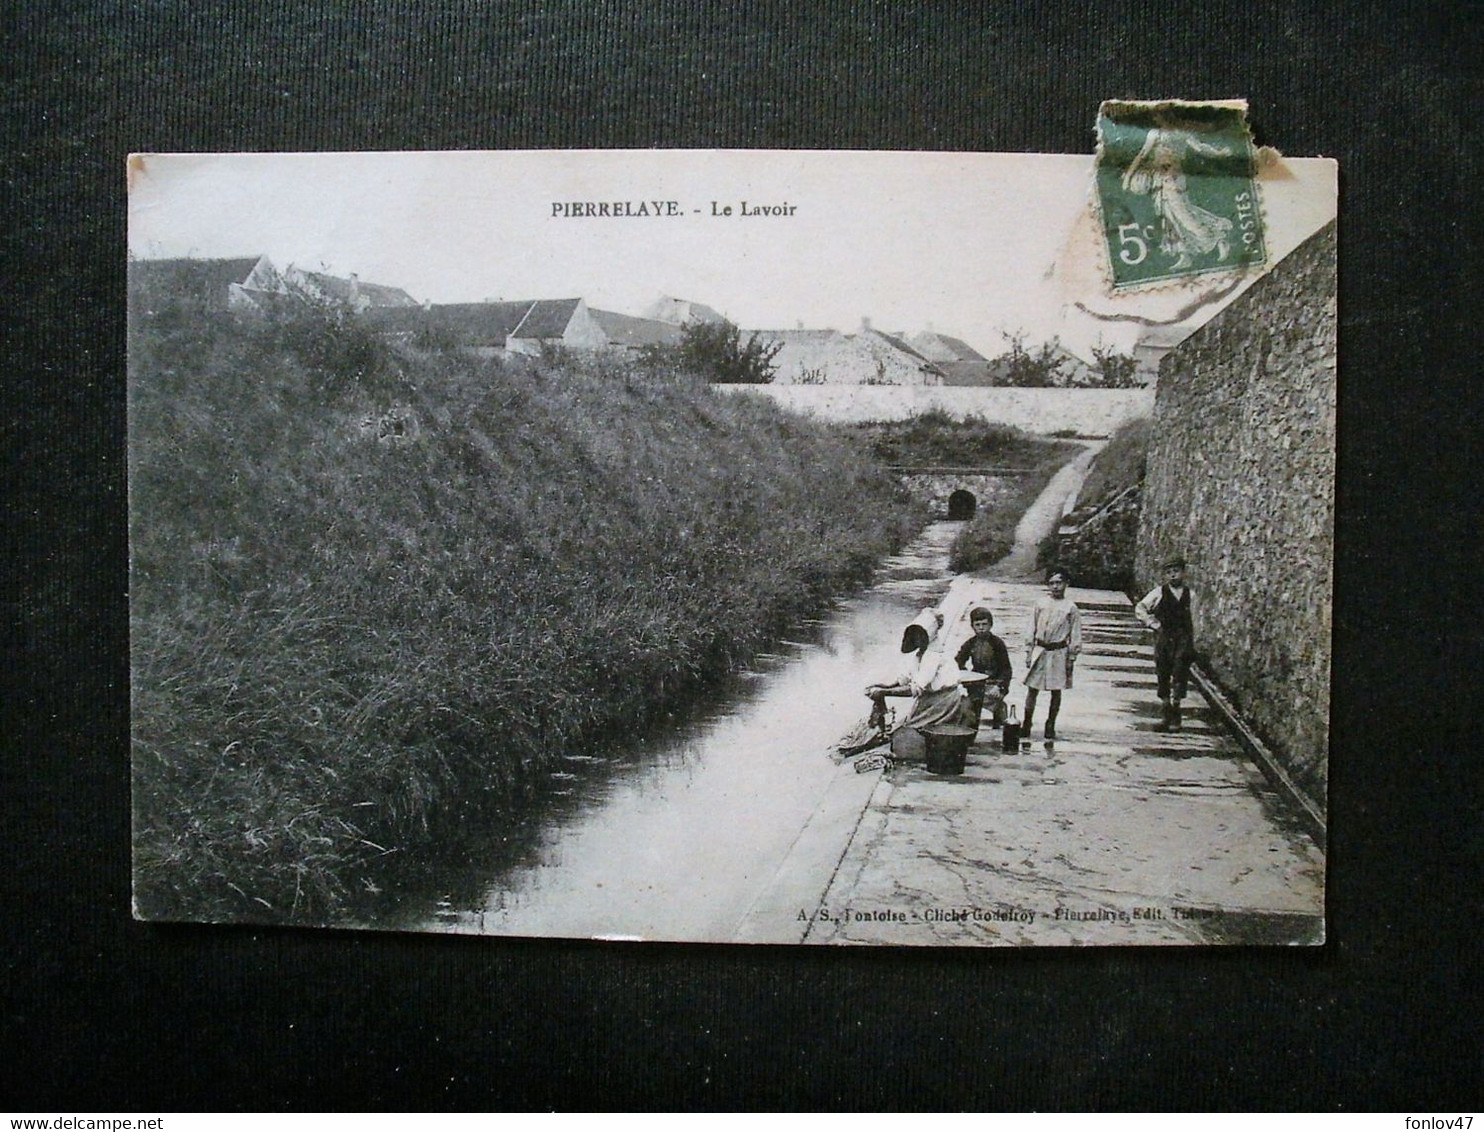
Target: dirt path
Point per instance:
(1043, 517)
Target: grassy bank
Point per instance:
(368, 588)
(938, 439)
(1101, 553)
(1119, 465)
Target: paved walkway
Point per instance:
(1114, 834)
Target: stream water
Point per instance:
(674, 836)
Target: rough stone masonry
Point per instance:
(1241, 479)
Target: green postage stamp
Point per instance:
(1177, 192)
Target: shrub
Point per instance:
(1112, 370)
(1043, 366)
(716, 352)
(1120, 464)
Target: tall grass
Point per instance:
(370, 589)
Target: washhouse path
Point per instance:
(1114, 834)
(1044, 516)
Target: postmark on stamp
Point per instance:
(1177, 191)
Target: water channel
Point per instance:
(674, 836)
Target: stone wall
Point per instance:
(989, 489)
(1087, 412)
(1241, 480)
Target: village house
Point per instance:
(255, 284)
(828, 357)
(565, 323)
(627, 332)
(961, 363)
(479, 328)
(207, 284)
(679, 312)
(895, 362)
(357, 295)
(1074, 370)
(1153, 344)
(261, 288)
(525, 326)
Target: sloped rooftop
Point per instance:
(628, 330)
(944, 348)
(681, 311)
(345, 290)
(380, 295)
(204, 279)
(460, 324)
(546, 318)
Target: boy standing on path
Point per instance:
(1051, 650)
(1166, 610)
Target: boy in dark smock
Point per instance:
(984, 652)
(1166, 610)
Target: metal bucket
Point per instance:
(947, 748)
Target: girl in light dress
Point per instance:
(1051, 650)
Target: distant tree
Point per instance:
(1045, 365)
(716, 351)
(1112, 370)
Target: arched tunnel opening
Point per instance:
(961, 504)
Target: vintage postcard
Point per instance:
(737, 546)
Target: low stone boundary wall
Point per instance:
(936, 487)
(1087, 412)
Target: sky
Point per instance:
(974, 245)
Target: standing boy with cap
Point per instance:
(1166, 610)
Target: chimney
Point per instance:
(865, 324)
(799, 325)
(355, 292)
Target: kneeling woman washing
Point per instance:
(931, 678)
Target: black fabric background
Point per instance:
(104, 1013)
